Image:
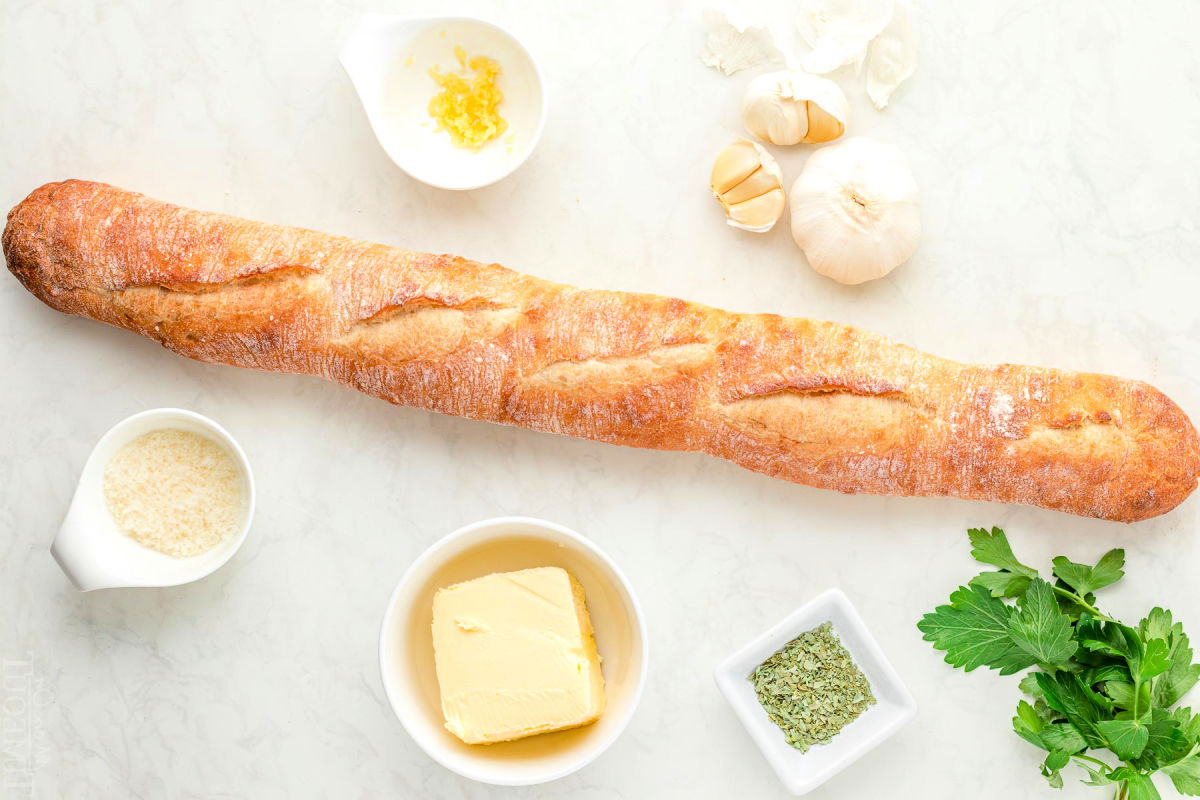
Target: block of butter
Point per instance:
(515, 656)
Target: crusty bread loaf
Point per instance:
(813, 402)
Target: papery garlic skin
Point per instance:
(730, 49)
(839, 31)
(749, 185)
(856, 210)
(893, 56)
(791, 107)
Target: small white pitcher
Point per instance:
(95, 554)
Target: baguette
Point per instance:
(812, 402)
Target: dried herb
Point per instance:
(811, 688)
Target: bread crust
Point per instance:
(812, 402)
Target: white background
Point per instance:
(1057, 151)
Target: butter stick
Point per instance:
(516, 656)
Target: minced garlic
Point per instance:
(466, 106)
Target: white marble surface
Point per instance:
(1056, 146)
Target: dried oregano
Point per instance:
(811, 688)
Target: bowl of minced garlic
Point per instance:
(165, 498)
(457, 103)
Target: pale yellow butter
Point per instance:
(516, 656)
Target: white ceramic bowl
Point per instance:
(502, 545)
(388, 59)
(95, 554)
(894, 707)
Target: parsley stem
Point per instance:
(1079, 601)
(1095, 761)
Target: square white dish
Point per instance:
(894, 706)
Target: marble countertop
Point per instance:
(1056, 148)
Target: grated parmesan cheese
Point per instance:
(174, 491)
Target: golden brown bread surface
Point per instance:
(812, 402)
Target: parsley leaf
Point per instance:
(1062, 736)
(1155, 659)
(1158, 624)
(1146, 659)
(1185, 774)
(1123, 694)
(1126, 737)
(993, 548)
(1140, 787)
(1052, 766)
(1067, 695)
(1105, 637)
(1095, 778)
(1190, 725)
(1029, 685)
(1002, 584)
(1040, 629)
(1181, 674)
(1167, 742)
(974, 632)
(1084, 579)
(1104, 673)
(1028, 724)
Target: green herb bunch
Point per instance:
(1097, 684)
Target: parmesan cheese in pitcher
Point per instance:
(174, 491)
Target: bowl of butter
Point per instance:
(513, 651)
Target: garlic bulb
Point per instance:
(793, 107)
(749, 185)
(856, 210)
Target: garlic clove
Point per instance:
(757, 183)
(893, 56)
(749, 185)
(822, 126)
(758, 214)
(839, 31)
(856, 210)
(772, 111)
(791, 107)
(734, 164)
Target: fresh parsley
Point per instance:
(1096, 683)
